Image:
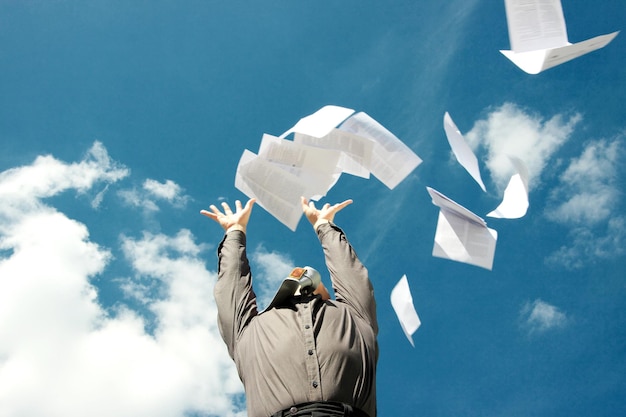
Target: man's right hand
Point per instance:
(324, 215)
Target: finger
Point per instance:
(345, 203)
(326, 206)
(226, 208)
(238, 205)
(215, 210)
(340, 206)
(250, 203)
(208, 214)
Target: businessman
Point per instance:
(306, 354)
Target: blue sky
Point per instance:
(119, 121)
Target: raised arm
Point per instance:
(349, 276)
(235, 299)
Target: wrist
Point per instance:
(233, 227)
(319, 222)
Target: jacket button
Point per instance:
(314, 384)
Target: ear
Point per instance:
(321, 289)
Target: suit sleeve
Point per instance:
(349, 276)
(234, 296)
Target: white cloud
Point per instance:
(169, 191)
(587, 199)
(151, 192)
(271, 269)
(22, 188)
(586, 246)
(186, 315)
(97, 200)
(539, 317)
(587, 192)
(509, 130)
(61, 352)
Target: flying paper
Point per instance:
(392, 161)
(461, 235)
(321, 122)
(312, 163)
(355, 151)
(538, 36)
(316, 167)
(402, 303)
(461, 150)
(515, 201)
(275, 189)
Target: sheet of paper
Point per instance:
(321, 122)
(535, 24)
(463, 153)
(463, 241)
(461, 235)
(538, 36)
(534, 62)
(316, 167)
(445, 203)
(276, 190)
(356, 151)
(515, 201)
(392, 161)
(402, 303)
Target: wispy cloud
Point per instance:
(539, 317)
(588, 192)
(61, 352)
(587, 246)
(168, 191)
(511, 130)
(587, 200)
(151, 193)
(23, 187)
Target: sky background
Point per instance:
(121, 120)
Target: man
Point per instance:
(306, 355)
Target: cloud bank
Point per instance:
(61, 352)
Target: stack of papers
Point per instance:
(538, 36)
(327, 143)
